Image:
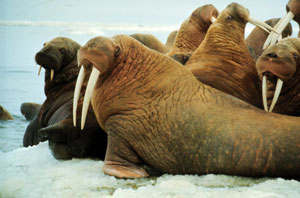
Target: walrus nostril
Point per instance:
(272, 55)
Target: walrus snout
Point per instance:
(49, 58)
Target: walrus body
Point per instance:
(4, 114)
(157, 113)
(258, 36)
(223, 60)
(30, 110)
(282, 61)
(193, 30)
(54, 121)
(151, 41)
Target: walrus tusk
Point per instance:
(261, 24)
(88, 94)
(282, 23)
(264, 93)
(40, 70)
(276, 94)
(213, 19)
(51, 74)
(77, 91)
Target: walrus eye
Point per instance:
(296, 57)
(229, 17)
(62, 50)
(117, 51)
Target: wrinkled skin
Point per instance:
(223, 60)
(258, 36)
(193, 30)
(158, 114)
(54, 120)
(30, 110)
(171, 39)
(282, 60)
(294, 7)
(4, 114)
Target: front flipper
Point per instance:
(121, 161)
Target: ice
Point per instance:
(33, 172)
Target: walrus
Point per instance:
(170, 40)
(256, 39)
(151, 41)
(279, 70)
(30, 109)
(156, 113)
(293, 12)
(4, 114)
(223, 60)
(54, 120)
(192, 31)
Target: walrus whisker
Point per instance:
(261, 24)
(77, 91)
(40, 70)
(276, 94)
(264, 93)
(282, 23)
(88, 94)
(51, 74)
(213, 19)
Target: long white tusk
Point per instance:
(40, 70)
(88, 94)
(261, 24)
(77, 91)
(264, 93)
(213, 19)
(282, 23)
(276, 94)
(51, 74)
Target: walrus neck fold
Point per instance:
(62, 77)
(135, 67)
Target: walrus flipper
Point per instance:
(31, 134)
(122, 163)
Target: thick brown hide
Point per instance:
(223, 61)
(156, 113)
(192, 31)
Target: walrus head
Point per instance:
(56, 54)
(99, 54)
(237, 15)
(204, 16)
(279, 63)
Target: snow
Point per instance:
(33, 172)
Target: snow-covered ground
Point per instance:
(33, 172)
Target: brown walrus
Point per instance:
(151, 41)
(256, 39)
(192, 31)
(54, 120)
(279, 67)
(156, 113)
(223, 60)
(30, 109)
(170, 40)
(4, 114)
